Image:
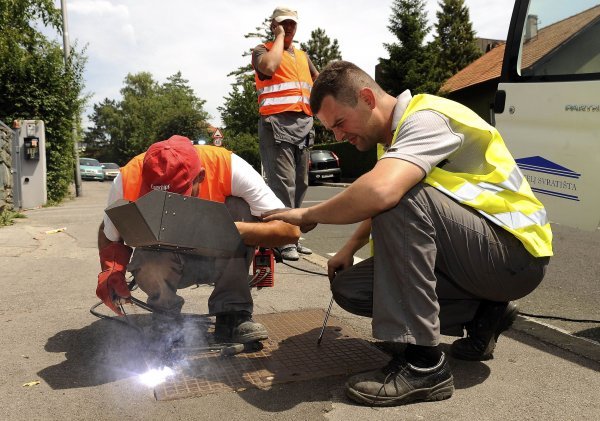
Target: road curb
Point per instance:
(559, 338)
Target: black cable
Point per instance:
(564, 319)
(146, 307)
(113, 318)
(305, 270)
(538, 316)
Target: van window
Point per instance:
(561, 38)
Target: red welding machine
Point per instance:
(263, 268)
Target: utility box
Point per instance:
(29, 164)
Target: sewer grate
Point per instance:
(291, 354)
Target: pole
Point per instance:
(67, 52)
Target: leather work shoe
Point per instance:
(289, 252)
(400, 382)
(492, 318)
(238, 327)
(303, 250)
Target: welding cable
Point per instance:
(258, 278)
(564, 319)
(538, 316)
(305, 270)
(121, 320)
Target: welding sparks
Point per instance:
(156, 376)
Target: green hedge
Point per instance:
(353, 162)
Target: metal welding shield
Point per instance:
(168, 221)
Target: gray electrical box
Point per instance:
(29, 164)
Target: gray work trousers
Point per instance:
(161, 273)
(435, 261)
(285, 166)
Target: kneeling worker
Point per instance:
(210, 173)
(457, 231)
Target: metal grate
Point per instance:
(290, 354)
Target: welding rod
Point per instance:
(325, 322)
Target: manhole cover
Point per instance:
(290, 354)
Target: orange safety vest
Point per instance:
(289, 87)
(216, 186)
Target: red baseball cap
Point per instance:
(170, 165)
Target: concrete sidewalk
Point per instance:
(87, 370)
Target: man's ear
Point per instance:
(201, 175)
(367, 95)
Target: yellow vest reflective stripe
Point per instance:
(502, 195)
(283, 101)
(289, 87)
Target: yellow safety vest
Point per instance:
(502, 195)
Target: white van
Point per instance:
(548, 105)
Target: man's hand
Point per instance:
(341, 261)
(277, 29)
(293, 216)
(111, 281)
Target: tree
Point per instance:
(36, 83)
(183, 112)
(104, 139)
(244, 145)
(320, 49)
(263, 33)
(140, 108)
(148, 112)
(454, 43)
(408, 59)
(240, 112)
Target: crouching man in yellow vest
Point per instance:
(210, 173)
(457, 232)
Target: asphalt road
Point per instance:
(60, 362)
(571, 288)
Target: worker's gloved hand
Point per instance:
(111, 281)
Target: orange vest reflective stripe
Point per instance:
(289, 87)
(216, 186)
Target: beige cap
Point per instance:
(282, 13)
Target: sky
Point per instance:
(205, 40)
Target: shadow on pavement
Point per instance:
(105, 352)
(286, 393)
(591, 333)
(572, 349)
(99, 353)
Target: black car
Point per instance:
(323, 166)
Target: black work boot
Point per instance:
(400, 382)
(492, 318)
(238, 327)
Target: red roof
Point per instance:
(485, 68)
(488, 66)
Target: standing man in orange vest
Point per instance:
(210, 173)
(284, 76)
